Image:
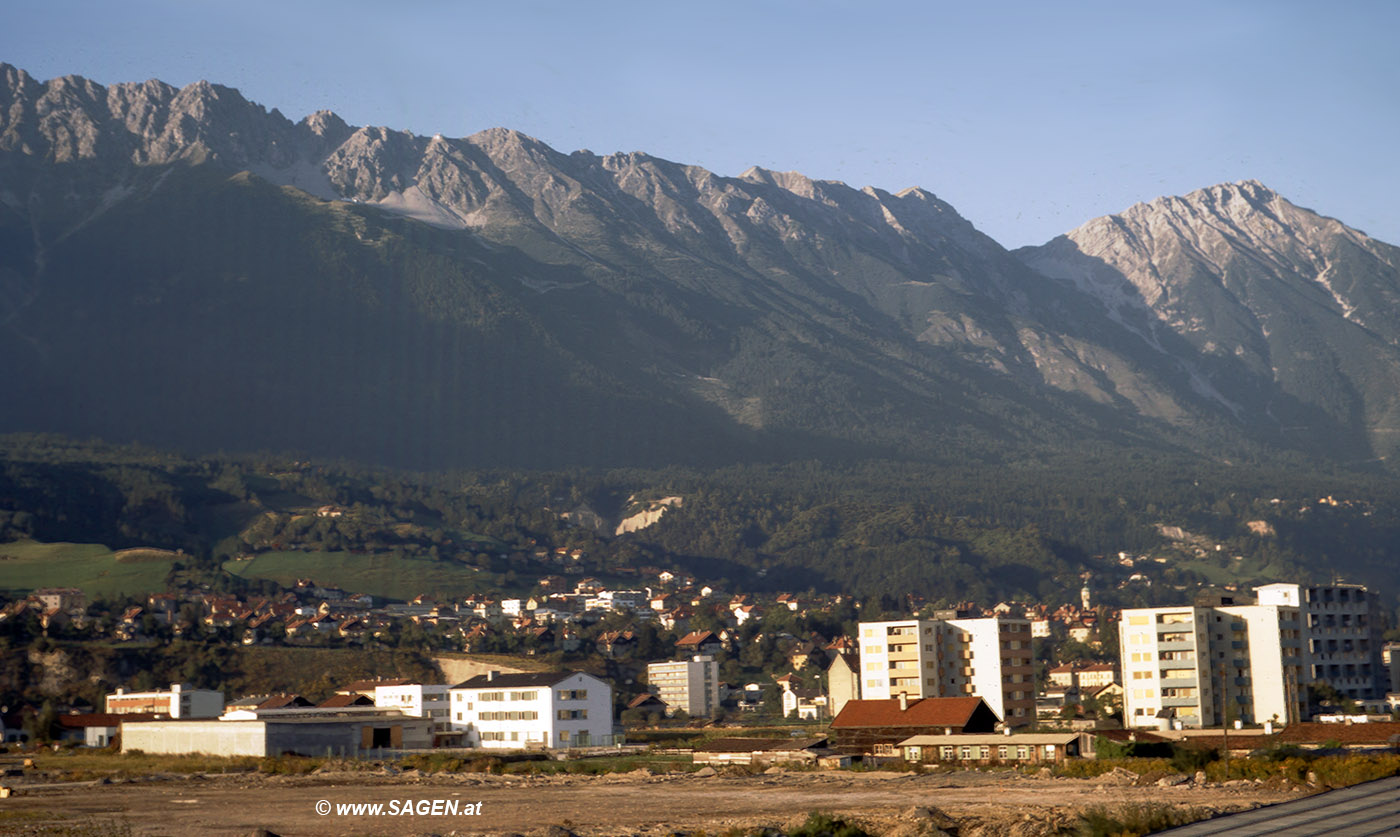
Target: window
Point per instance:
(945, 752)
(524, 695)
(582, 694)
(1002, 751)
(573, 714)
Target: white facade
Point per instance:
(690, 685)
(181, 701)
(1204, 666)
(418, 700)
(551, 710)
(1343, 631)
(987, 657)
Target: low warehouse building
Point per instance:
(307, 735)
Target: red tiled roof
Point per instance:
(1369, 733)
(697, 638)
(338, 701)
(932, 712)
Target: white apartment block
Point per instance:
(1344, 635)
(691, 685)
(1206, 666)
(181, 701)
(553, 710)
(952, 657)
(418, 700)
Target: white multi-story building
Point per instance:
(691, 685)
(552, 710)
(1198, 666)
(419, 700)
(952, 657)
(1344, 635)
(181, 701)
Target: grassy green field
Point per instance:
(93, 568)
(379, 575)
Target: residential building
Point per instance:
(842, 680)
(950, 656)
(1201, 666)
(1343, 627)
(1021, 748)
(417, 700)
(690, 685)
(181, 701)
(877, 726)
(557, 709)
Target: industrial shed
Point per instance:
(306, 736)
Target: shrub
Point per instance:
(1135, 820)
(1341, 771)
(1190, 759)
(825, 825)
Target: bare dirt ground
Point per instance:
(638, 803)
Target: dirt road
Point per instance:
(636, 803)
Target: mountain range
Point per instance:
(186, 268)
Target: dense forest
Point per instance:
(1035, 530)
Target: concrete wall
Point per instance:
(218, 738)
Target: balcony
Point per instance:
(1181, 701)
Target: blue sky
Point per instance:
(1029, 117)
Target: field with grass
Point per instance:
(92, 568)
(377, 574)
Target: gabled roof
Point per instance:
(516, 681)
(338, 701)
(698, 638)
(645, 700)
(955, 712)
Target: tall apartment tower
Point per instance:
(1344, 635)
(1207, 666)
(952, 657)
(691, 684)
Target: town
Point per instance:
(583, 668)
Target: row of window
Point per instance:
(496, 696)
(523, 715)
